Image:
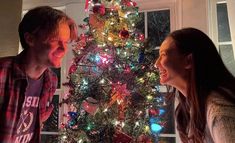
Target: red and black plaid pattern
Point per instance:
(13, 83)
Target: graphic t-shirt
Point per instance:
(29, 117)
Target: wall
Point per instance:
(187, 13)
(194, 14)
(10, 15)
(77, 13)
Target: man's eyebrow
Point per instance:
(161, 51)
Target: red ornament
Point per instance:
(72, 69)
(86, 5)
(153, 112)
(62, 125)
(124, 34)
(90, 105)
(141, 37)
(144, 139)
(120, 137)
(100, 9)
(134, 4)
(127, 69)
(130, 3)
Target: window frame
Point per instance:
(175, 23)
(144, 6)
(213, 26)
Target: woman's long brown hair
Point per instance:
(208, 74)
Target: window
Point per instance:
(220, 32)
(157, 20)
(50, 128)
(224, 36)
(156, 24)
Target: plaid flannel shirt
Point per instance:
(13, 83)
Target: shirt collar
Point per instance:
(19, 72)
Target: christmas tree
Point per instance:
(113, 94)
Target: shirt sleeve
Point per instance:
(221, 121)
(223, 129)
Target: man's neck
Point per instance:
(34, 72)
(32, 68)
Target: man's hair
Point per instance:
(44, 21)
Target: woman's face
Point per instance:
(171, 64)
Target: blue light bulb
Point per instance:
(156, 128)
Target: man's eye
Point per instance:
(163, 54)
(54, 40)
(67, 42)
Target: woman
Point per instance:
(189, 62)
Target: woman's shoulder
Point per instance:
(220, 117)
(217, 106)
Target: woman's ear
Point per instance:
(29, 39)
(188, 61)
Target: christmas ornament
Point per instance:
(144, 139)
(121, 137)
(124, 34)
(90, 105)
(119, 93)
(99, 9)
(72, 68)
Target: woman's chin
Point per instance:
(162, 82)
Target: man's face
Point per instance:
(50, 52)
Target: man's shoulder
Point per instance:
(6, 61)
(6, 67)
(51, 74)
(51, 77)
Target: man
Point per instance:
(27, 84)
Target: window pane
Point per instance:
(223, 25)
(158, 26)
(52, 122)
(57, 72)
(49, 138)
(226, 52)
(167, 140)
(169, 127)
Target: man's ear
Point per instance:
(29, 39)
(188, 61)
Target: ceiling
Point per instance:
(28, 4)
